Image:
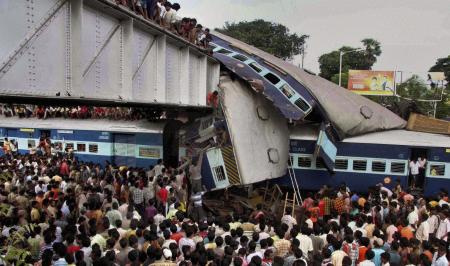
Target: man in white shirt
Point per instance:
(169, 16)
(288, 219)
(158, 168)
(444, 226)
(252, 251)
(442, 201)
(305, 242)
(433, 221)
(423, 232)
(414, 166)
(413, 216)
(39, 187)
(440, 258)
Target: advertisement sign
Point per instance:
(368, 82)
(436, 76)
(147, 152)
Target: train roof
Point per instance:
(389, 137)
(350, 114)
(139, 126)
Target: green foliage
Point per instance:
(443, 107)
(415, 89)
(4, 208)
(344, 79)
(363, 60)
(271, 37)
(5, 176)
(15, 252)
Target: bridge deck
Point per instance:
(97, 51)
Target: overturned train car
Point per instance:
(275, 116)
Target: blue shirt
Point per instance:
(377, 258)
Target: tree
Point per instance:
(271, 37)
(411, 93)
(443, 107)
(363, 60)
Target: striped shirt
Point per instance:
(138, 196)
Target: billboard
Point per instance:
(368, 82)
(436, 76)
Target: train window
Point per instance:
(437, 169)
(81, 147)
(359, 165)
(58, 144)
(320, 163)
(341, 164)
(219, 172)
(302, 104)
(397, 167)
(304, 162)
(69, 146)
(255, 67)
(378, 166)
(287, 90)
(272, 78)
(93, 148)
(31, 143)
(224, 51)
(211, 46)
(240, 57)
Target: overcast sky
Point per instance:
(413, 33)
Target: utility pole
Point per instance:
(303, 54)
(341, 53)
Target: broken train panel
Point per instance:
(248, 138)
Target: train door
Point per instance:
(124, 150)
(421, 155)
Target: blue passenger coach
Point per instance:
(366, 160)
(131, 143)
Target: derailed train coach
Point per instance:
(278, 116)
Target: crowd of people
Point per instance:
(55, 210)
(166, 14)
(75, 112)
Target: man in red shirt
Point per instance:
(64, 169)
(213, 99)
(175, 235)
(163, 194)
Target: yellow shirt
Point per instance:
(35, 215)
